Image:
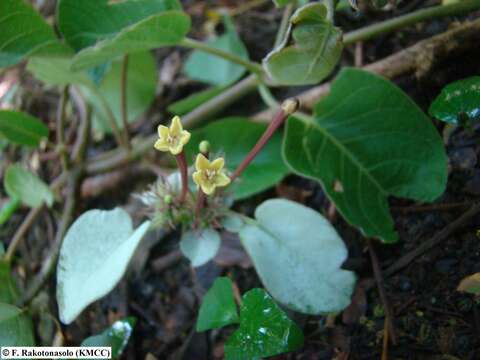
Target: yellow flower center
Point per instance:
(210, 174)
(172, 139)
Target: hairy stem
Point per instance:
(247, 64)
(183, 167)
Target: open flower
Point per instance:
(210, 175)
(172, 138)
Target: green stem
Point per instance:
(247, 64)
(282, 30)
(375, 30)
(9, 209)
(61, 118)
(124, 101)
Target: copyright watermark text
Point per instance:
(17, 352)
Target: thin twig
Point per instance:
(434, 241)
(381, 290)
(124, 101)
(61, 118)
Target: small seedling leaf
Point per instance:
(265, 330)
(218, 306)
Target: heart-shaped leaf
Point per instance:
(15, 327)
(213, 69)
(57, 72)
(102, 31)
(368, 141)
(265, 330)
(116, 336)
(200, 246)
(27, 187)
(94, 256)
(23, 33)
(298, 254)
(313, 55)
(234, 138)
(20, 128)
(459, 102)
(218, 306)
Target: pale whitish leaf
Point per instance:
(102, 31)
(23, 33)
(298, 254)
(27, 187)
(316, 48)
(368, 141)
(94, 256)
(200, 246)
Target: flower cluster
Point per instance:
(209, 175)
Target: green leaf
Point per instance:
(298, 254)
(116, 336)
(94, 256)
(265, 330)
(218, 306)
(213, 69)
(193, 101)
(368, 141)
(234, 138)
(459, 102)
(316, 49)
(142, 82)
(281, 3)
(470, 284)
(200, 246)
(24, 33)
(29, 188)
(8, 289)
(57, 72)
(15, 327)
(23, 129)
(7, 210)
(102, 31)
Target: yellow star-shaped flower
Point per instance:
(210, 175)
(172, 139)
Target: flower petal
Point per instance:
(202, 163)
(161, 145)
(176, 148)
(176, 126)
(217, 164)
(185, 137)
(207, 187)
(221, 179)
(163, 131)
(197, 177)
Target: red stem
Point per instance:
(276, 122)
(182, 165)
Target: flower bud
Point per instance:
(204, 147)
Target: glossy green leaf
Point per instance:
(314, 53)
(102, 30)
(15, 327)
(27, 187)
(298, 254)
(8, 209)
(8, 289)
(191, 102)
(213, 69)
(23, 33)
(94, 256)
(368, 141)
(265, 330)
(116, 336)
(20, 128)
(200, 246)
(459, 102)
(141, 81)
(234, 138)
(218, 307)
